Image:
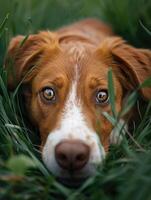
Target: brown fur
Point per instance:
(92, 46)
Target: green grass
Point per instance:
(126, 172)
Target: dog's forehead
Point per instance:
(73, 62)
(77, 52)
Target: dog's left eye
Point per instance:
(48, 94)
(102, 97)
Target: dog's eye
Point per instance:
(102, 97)
(48, 94)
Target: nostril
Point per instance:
(80, 160)
(80, 157)
(62, 157)
(62, 160)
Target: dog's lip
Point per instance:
(72, 182)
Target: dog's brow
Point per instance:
(96, 81)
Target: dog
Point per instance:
(65, 87)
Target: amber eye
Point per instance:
(102, 97)
(48, 94)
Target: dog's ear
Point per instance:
(132, 65)
(25, 53)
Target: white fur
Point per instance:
(118, 131)
(73, 125)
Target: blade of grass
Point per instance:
(2, 25)
(111, 92)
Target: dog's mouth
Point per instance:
(72, 182)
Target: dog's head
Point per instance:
(66, 90)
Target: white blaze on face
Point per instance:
(72, 126)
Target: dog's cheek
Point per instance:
(104, 131)
(38, 120)
(45, 118)
(32, 109)
(101, 126)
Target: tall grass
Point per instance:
(126, 172)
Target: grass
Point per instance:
(126, 172)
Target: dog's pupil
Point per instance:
(102, 96)
(49, 93)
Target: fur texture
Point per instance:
(74, 61)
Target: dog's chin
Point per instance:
(72, 182)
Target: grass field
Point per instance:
(126, 172)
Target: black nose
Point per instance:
(72, 155)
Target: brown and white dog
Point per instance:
(64, 78)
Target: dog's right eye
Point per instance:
(48, 94)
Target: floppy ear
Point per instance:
(132, 65)
(25, 53)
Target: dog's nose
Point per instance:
(72, 155)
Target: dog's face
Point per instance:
(66, 93)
